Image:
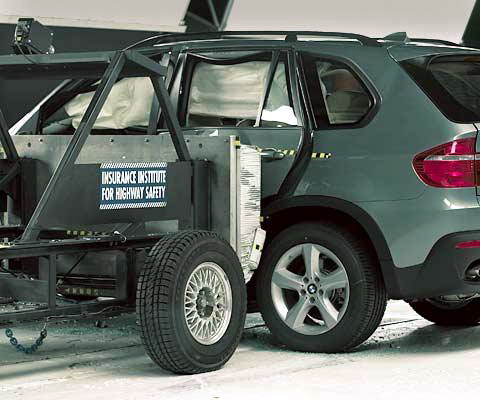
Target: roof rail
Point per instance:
(403, 37)
(436, 41)
(289, 36)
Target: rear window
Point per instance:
(451, 82)
(337, 94)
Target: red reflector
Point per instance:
(468, 245)
(450, 165)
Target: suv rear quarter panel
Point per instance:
(371, 165)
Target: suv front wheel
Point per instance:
(320, 289)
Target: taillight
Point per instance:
(450, 165)
(473, 244)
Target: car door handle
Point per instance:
(272, 154)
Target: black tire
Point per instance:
(367, 298)
(160, 302)
(465, 313)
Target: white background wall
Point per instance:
(155, 15)
(445, 19)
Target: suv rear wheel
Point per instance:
(319, 288)
(443, 311)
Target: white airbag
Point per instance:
(232, 91)
(128, 104)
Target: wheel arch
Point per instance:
(282, 213)
(327, 208)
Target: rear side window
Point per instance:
(337, 94)
(451, 82)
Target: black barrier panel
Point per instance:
(108, 193)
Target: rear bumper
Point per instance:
(442, 273)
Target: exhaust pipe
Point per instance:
(473, 273)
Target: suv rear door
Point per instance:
(341, 102)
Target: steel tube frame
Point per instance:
(157, 74)
(6, 140)
(29, 246)
(171, 119)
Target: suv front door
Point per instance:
(253, 96)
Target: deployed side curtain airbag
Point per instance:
(235, 91)
(128, 104)
(230, 91)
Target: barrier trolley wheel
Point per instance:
(191, 302)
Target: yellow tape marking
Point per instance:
(321, 155)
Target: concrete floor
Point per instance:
(407, 357)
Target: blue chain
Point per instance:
(27, 350)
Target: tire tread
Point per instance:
(153, 289)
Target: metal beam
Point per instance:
(213, 12)
(146, 63)
(155, 110)
(52, 281)
(6, 140)
(226, 15)
(77, 311)
(163, 97)
(73, 246)
(153, 118)
(171, 120)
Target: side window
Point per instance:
(230, 95)
(345, 98)
(127, 109)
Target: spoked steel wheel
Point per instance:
(208, 303)
(191, 302)
(310, 289)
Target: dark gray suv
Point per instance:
(369, 174)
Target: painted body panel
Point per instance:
(371, 166)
